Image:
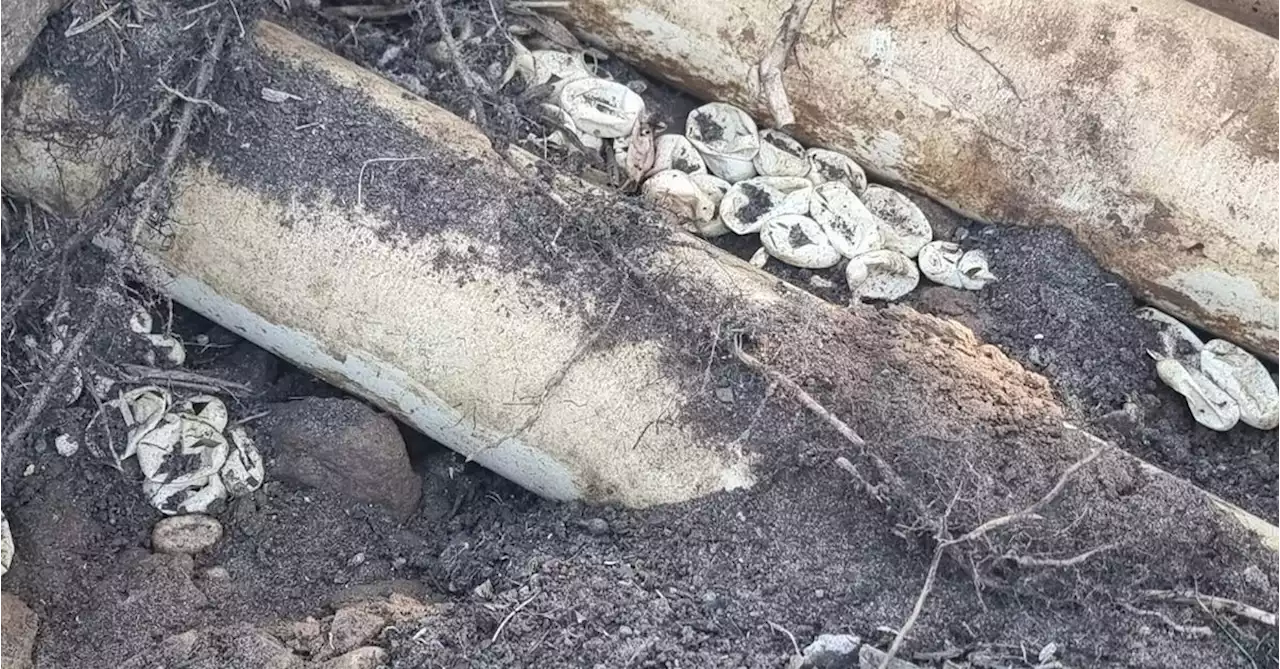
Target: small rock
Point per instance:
(343, 446)
(1125, 421)
(356, 560)
(216, 573)
(238, 645)
(369, 657)
(304, 636)
(871, 658)
(821, 282)
(187, 535)
(829, 651)
(65, 445)
(354, 626)
(1256, 578)
(597, 526)
(377, 591)
(6, 545)
(725, 395)
(18, 625)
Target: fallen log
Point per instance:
(1147, 128)
(1261, 15)
(23, 20)
(578, 344)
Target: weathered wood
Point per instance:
(1148, 128)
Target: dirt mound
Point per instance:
(706, 583)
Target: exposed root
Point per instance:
(1188, 630)
(775, 60)
(1220, 604)
(149, 191)
(805, 398)
(473, 82)
(1031, 512)
(40, 401)
(945, 543)
(553, 382)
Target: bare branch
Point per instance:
(1034, 509)
(1032, 561)
(805, 398)
(775, 60)
(1189, 630)
(1214, 603)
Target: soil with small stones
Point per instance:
(696, 584)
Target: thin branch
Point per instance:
(1214, 603)
(469, 79)
(50, 385)
(1032, 510)
(503, 624)
(1189, 630)
(150, 190)
(1031, 561)
(805, 398)
(775, 60)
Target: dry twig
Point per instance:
(178, 377)
(41, 400)
(367, 163)
(149, 191)
(1189, 630)
(78, 28)
(217, 108)
(944, 543)
(775, 60)
(805, 398)
(779, 628)
(1213, 603)
(473, 82)
(1058, 563)
(502, 625)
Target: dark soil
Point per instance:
(694, 584)
(1059, 314)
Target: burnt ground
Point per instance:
(695, 584)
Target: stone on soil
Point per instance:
(239, 645)
(354, 626)
(369, 657)
(871, 657)
(185, 534)
(829, 651)
(343, 446)
(18, 625)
